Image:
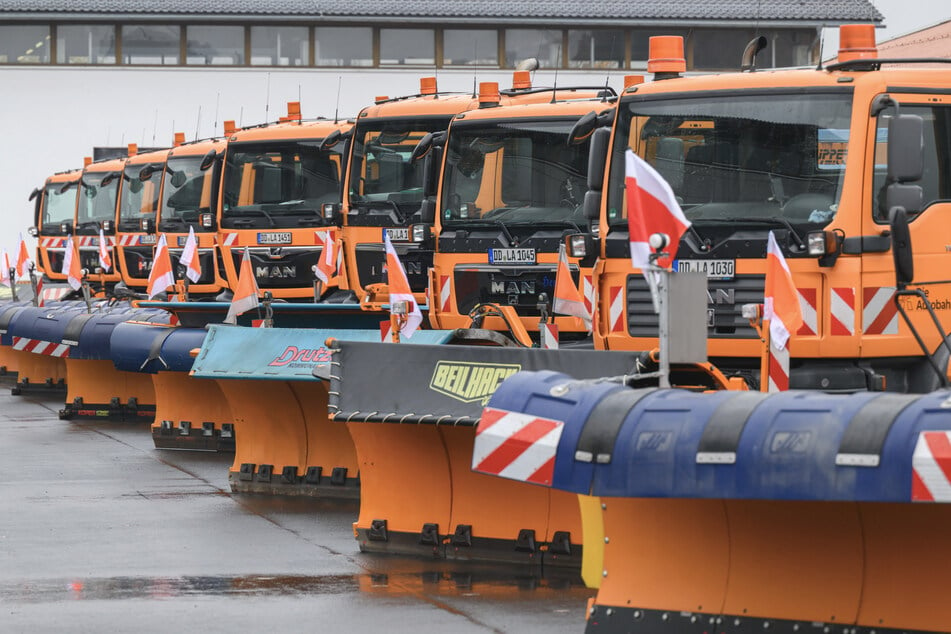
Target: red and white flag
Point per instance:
(105, 260)
(781, 300)
(71, 267)
(246, 294)
(652, 208)
(23, 258)
(190, 258)
(327, 265)
(5, 273)
(161, 276)
(568, 299)
(399, 289)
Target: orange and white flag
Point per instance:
(246, 294)
(781, 299)
(5, 278)
(105, 259)
(568, 299)
(71, 267)
(399, 289)
(327, 265)
(161, 276)
(190, 258)
(23, 258)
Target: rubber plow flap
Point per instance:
(280, 354)
(89, 333)
(443, 384)
(616, 441)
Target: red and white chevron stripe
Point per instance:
(54, 294)
(842, 308)
(810, 314)
(516, 446)
(386, 331)
(778, 369)
(879, 313)
(445, 288)
(128, 240)
(230, 239)
(549, 337)
(38, 346)
(616, 309)
(931, 467)
(52, 242)
(588, 293)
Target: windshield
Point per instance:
(740, 157)
(514, 172)
(280, 178)
(140, 198)
(186, 190)
(97, 202)
(382, 174)
(58, 205)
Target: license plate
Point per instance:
(714, 269)
(512, 256)
(182, 240)
(275, 237)
(398, 234)
(147, 239)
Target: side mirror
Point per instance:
(330, 140)
(909, 197)
(901, 248)
(206, 161)
(108, 178)
(905, 148)
(597, 157)
(583, 128)
(178, 179)
(431, 166)
(66, 187)
(422, 148)
(427, 211)
(146, 172)
(592, 205)
(36, 192)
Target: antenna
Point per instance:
(607, 79)
(298, 94)
(337, 108)
(475, 67)
(267, 98)
(198, 122)
(215, 126)
(554, 89)
(241, 117)
(154, 126)
(822, 41)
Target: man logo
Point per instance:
(470, 382)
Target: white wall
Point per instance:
(50, 118)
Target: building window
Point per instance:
(343, 46)
(215, 45)
(279, 46)
(543, 44)
(407, 46)
(640, 43)
(462, 47)
(85, 44)
(26, 44)
(788, 48)
(595, 48)
(151, 44)
(721, 49)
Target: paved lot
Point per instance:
(99, 532)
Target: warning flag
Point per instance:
(5, 273)
(105, 260)
(246, 294)
(399, 289)
(23, 258)
(568, 300)
(190, 259)
(161, 275)
(781, 299)
(651, 208)
(327, 265)
(71, 267)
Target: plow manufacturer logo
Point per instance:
(295, 357)
(470, 382)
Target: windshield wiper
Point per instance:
(485, 222)
(773, 220)
(253, 212)
(380, 204)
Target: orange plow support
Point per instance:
(9, 364)
(190, 413)
(772, 564)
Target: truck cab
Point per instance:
(277, 180)
(53, 215)
(512, 189)
(136, 217)
(95, 212)
(805, 154)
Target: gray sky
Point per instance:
(901, 17)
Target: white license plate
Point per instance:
(275, 237)
(714, 269)
(182, 240)
(149, 238)
(398, 234)
(512, 256)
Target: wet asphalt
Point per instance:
(101, 532)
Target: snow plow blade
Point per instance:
(36, 336)
(285, 443)
(734, 512)
(414, 430)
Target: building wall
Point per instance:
(50, 118)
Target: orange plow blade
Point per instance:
(190, 413)
(96, 389)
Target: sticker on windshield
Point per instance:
(398, 234)
(714, 269)
(274, 237)
(512, 256)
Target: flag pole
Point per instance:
(658, 278)
(13, 282)
(36, 298)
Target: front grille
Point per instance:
(371, 261)
(280, 267)
(724, 297)
(518, 287)
(138, 262)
